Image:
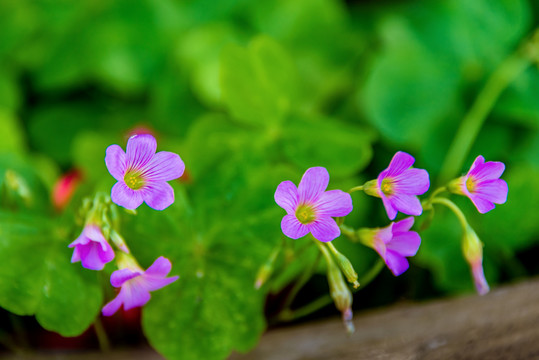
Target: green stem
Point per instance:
(349, 232)
(310, 308)
(356, 188)
(300, 283)
(474, 119)
(102, 338)
(372, 273)
(454, 208)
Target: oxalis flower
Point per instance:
(310, 208)
(394, 243)
(398, 186)
(91, 248)
(135, 284)
(142, 174)
(482, 184)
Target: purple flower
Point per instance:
(91, 248)
(136, 285)
(310, 208)
(482, 184)
(394, 243)
(142, 174)
(398, 186)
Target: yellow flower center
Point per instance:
(470, 184)
(134, 180)
(387, 186)
(305, 214)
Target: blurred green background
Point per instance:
(251, 93)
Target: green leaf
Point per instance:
(13, 137)
(409, 90)
(36, 277)
(217, 254)
(317, 141)
(258, 83)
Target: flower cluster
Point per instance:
(310, 209)
(142, 176)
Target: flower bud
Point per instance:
(472, 248)
(119, 241)
(266, 270)
(345, 265)
(341, 295)
(64, 189)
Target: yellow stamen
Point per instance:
(134, 180)
(305, 214)
(387, 186)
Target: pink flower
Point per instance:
(91, 248)
(482, 184)
(310, 208)
(135, 285)
(142, 174)
(398, 186)
(394, 243)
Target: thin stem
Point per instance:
(474, 119)
(305, 310)
(300, 283)
(454, 208)
(102, 338)
(436, 192)
(372, 273)
(356, 188)
(349, 232)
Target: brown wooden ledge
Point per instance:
(503, 324)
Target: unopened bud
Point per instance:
(345, 265)
(266, 270)
(472, 248)
(130, 211)
(64, 188)
(342, 297)
(119, 241)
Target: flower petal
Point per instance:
(396, 263)
(334, 203)
(403, 225)
(292, 228)
(483, 205)
(488, 171)
(160, 267)
(164, 166)
(286, 196)
(156, 283)
(122, 195)
(91, 256)
(112, 306)
(135, 294)
(115, 160)
(312, 184)
(493, 190)
(158, 195)
(119, 277)
(405, 243)
(412, 182)
(407, 204)
(400, 162)
(477, 163)
(388, 205)
(324, 229)
(479, 279)
(140, 150)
